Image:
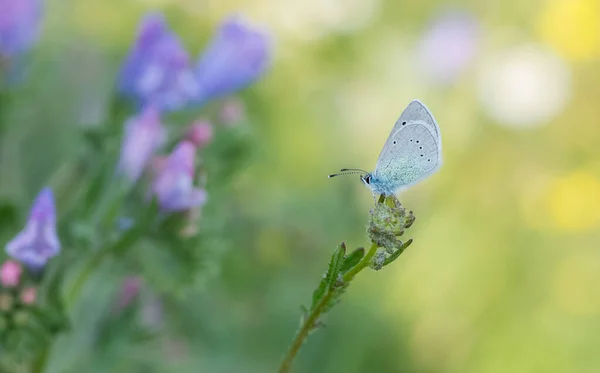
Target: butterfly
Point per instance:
(412, 152)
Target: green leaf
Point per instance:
(330, 278)
(99, 177)
(233, 145)
(352, 259)
(54, 316)
(397, 253)
(143, 222)
(336, 297)
(53, 321)
(335, 265)
(8, 215)
(55, 289)
(319, 292)
(169, 267)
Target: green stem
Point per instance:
(106, 214)
(40, 364)
(307, 326)
(85, 273)
(316, 312)
(125, 241)
(365, 261)
(312, 319)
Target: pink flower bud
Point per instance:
(129, 290)
(10, 273)
(200, 133)
(232, 112)
(29, 295)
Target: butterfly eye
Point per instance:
(394, 142)
(403, 123)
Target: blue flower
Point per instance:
(157, 70)
(19, 25)
(144, 134)
(38, 241)
(236, 57)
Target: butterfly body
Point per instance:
(412, 152)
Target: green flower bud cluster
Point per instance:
(388, 221)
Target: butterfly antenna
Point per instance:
(348, 173)
(354, 169)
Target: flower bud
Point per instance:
(10, 274)
(388, 221)
(6, 302)
(29, 295)
(232, 112)
(200, 133)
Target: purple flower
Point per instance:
(173, 185)
(235, 58)
(449, 46)
(144, 134)
(38, 241)
(157, 69)
(19, 25)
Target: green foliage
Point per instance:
(230, 151)
(335, 266)
(387, 219)
(26, 330)
(393, 256)
(352, 259)
(331, 280)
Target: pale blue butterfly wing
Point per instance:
(412, 152)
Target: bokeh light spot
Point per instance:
(572, 27)
(525, 86)
(573, 202)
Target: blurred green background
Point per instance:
(504, 273)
